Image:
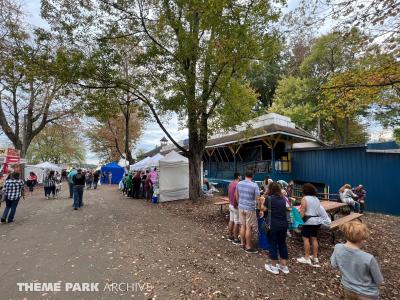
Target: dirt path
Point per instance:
(118, 240)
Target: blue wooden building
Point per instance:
(375, 166)
(276, 147)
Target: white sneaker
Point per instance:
(284, 269)
(302, 260)
(315, 260)
(272, 269)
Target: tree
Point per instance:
(59, 144)
(294, 98)
(106, 104)
(264, 75)
(377, 18)
(141, 154)
(396, 135)
(107, 138)
(196, 54)
(33, 69)
(314, 105)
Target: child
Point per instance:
(360, 271)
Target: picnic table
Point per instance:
(223, 201)
(332, 207)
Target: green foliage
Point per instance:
(294, 98)
(264, 75)
(34, 79)
(340, 80)
(396, 135)
(59, 144)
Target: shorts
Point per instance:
(248, 218)
(310, 230)
(349, 295)
(233, 214)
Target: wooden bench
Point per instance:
(336, 223)
(221, 204)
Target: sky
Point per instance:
(152, 133)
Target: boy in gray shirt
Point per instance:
(360, 271)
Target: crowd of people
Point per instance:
(273, 205)
(140, 184)
(248, 204)
(13, 189)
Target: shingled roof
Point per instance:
(295, 134)
(263, 126)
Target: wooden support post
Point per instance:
(222, 159)
(227, 158)
(273, 171)
(277, 140)
(267, 142)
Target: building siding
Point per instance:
(378, 172)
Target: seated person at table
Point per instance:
(247, 193)
(206, 185)
(279, 225)
(361, 276)
(314, 215)
(347, 196)
(361, 194)
(208, 188)
(234, 223)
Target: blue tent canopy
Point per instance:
(117, 172)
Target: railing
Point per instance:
(265, 166)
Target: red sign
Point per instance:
(13, 152)
(13, 156)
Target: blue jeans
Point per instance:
(71, 189)
(277, 242)
(78, 195)
(9, 211)
(356, 207)
(49, 190)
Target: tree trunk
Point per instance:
(128, 153)
(195, 172)
(346, 130)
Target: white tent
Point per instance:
(154, 161)
(48, 166)
(173, 177)
(123, 162)
(41, 169)
(40, 173)
(141, 164)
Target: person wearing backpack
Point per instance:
(79, 185)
